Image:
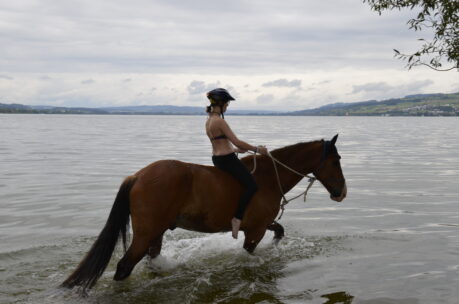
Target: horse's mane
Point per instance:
(284, 152)
(287, 149)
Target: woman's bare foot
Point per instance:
(235, 224)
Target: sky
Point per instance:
(270, 54)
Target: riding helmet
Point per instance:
(219, 95)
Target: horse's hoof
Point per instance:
(122, 272)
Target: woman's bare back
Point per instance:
(220, 146)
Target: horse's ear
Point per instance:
(333, 141)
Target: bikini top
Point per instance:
(223, 136)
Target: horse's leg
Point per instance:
(253, 237)
(148, 226)
(135, 253)
(156, 198)
(155, 247)
(278, 231)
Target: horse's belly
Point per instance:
(200, 223)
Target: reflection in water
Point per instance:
(338, 297)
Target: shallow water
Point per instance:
(394, 239)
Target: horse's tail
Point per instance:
(96, 260)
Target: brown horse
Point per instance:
(169, 194)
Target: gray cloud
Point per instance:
(416, 86)
(371, 87)
(116, 36)
(265, 99)
(383, 87)
(199, 87)
(316, 85)
(88, 81)
(282, 82)
(127, 80)
(324, 82)
(383, 90)
(6, 77)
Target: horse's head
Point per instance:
(329, 171)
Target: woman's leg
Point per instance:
(232, 164)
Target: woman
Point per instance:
(222, 138)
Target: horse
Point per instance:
(169, 193)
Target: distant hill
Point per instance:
(18, 108)
(127, 110)
(411, 105)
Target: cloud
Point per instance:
(88, 81)
(371, 87)
(324, 82)
(383, 90)
(282, 82)
(199, 87)
(127, 80)
(6, 77)
(265, 99)
(415, 86)
(172, 89)
(384, 87)
(455, 88)
(115, 36)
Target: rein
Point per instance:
(285, 201)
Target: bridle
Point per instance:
(311, 179)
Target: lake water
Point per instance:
(394, 239)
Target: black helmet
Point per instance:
(219, 96)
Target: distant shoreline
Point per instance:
(229, 114)
(434, 105)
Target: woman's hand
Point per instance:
(262, 150)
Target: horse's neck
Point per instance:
(302, 157)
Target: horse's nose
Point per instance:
(338, 196)
(336, 193)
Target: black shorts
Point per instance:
(230, 163)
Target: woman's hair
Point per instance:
(215, 103)
(218, 97)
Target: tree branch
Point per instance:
(433, 68)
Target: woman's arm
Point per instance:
(239, 150)
(240, 144)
